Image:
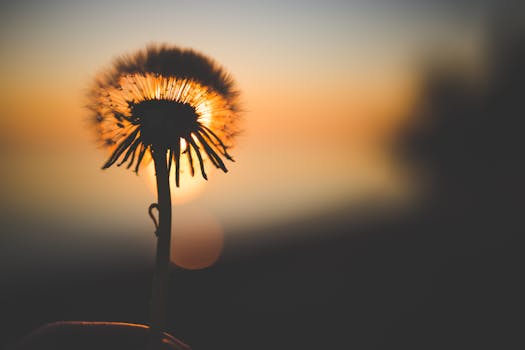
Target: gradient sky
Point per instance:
(324, 86)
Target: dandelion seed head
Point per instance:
(165, 99)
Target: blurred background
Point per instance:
(376, 198)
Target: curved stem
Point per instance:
(162, 262)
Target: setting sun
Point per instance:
(192, 187)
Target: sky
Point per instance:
(325, 86)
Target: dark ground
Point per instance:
(393, 286)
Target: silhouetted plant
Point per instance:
(167, 104)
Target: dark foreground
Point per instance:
(418, 283)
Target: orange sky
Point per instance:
(323, 87)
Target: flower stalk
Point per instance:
(159, 294)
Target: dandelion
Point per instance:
(165, 99)
(176, 107)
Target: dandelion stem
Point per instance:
(162, 263)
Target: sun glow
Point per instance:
(193, 185)
(135, 112)
(135, 88)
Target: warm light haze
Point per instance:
(324, 86)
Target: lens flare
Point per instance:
(196, 243)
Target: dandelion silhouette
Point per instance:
(173, 106)
(165, 99)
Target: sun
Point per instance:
(192, 189)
